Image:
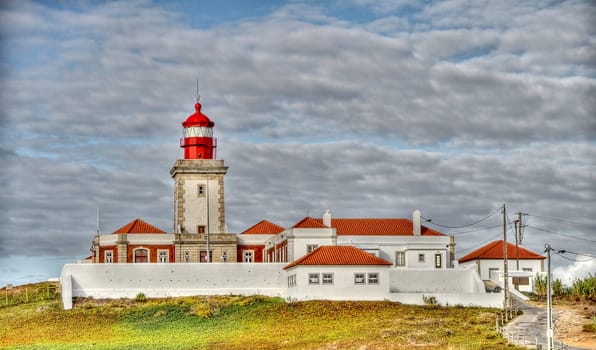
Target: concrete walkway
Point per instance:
(529, 329)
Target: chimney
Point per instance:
(416, 222)
(327, 218)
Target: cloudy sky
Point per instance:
(367, 108)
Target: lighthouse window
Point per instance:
(201, 190)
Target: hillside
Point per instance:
(244, 323)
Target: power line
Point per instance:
(475, 230)
(561, 234)
(581, 254)
(468, 225)
(574, 260)
(561, 220)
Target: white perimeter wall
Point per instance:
(436, 281)
(171, 280)
(449, 287)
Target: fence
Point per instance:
(30, 293)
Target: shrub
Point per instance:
(429, 300)
(141, 298)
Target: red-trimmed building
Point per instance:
(522, 264)
(404, 242)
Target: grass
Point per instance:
(233, 322)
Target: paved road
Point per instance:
(530, 328)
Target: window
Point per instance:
(493, 273)
(527, 269)
(248, 256)
(186, 256)
(201, 229)
(521, 281)
(162, 256)
(109, 257)
(373, 278)
(359, 278)
(291, 280)
(438, 262)
(201, 190)
(327, 278)
(224, 256)
(141, 255)
(400, 258)
(204, 257)
(311, 247)
(313, 278)
(421, 258)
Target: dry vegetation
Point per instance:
(245, 323)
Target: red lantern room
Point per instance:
(198, 141)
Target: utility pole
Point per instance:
(549, 306)
(506, 300)
(517, 227)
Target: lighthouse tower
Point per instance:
(199, 180)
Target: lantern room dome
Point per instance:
(198, 119)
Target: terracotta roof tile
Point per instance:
(377, 227)
(264, 227)
(309, 222)
(338, 255)
(138, 226)
(494, 250)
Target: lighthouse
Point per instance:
(198, 141)
(199, 202)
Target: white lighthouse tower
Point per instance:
(199, 179)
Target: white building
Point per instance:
(522, 264)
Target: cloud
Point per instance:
(452, 108)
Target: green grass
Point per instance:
(233, 322)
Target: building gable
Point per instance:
(494, 250)
(263, 227)
(338, 255)
(138, 226)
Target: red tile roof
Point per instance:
(338, 255)
(309, 222)
(138, 226)
(494, 250)
(264, 227)
(377, 227)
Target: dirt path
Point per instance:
(569, 325)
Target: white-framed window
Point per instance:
(201, 190)
(438, 261)
(359, 278)
(249, 256)
(292, 280)
(186, 256)
(400, 258)
(373, 278)
(493, 273)
(421, 257)
(163, 256)
(327, 278)
(109, 256)
(311, 247)
(313, 278)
